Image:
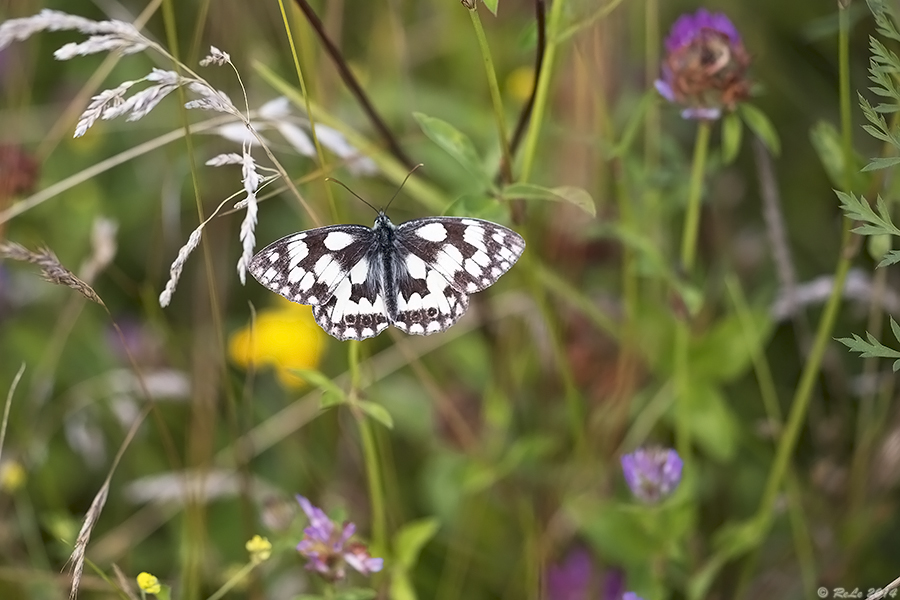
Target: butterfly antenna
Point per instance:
(405, 179)
(341, 183)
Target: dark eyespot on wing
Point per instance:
(356, 311)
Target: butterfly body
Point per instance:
(415, 276)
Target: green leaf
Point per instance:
(409, 541)
(491, 5)
(760, 124)
(891, 258)
(872, 348)
(481, 206)
(377, 412)
(827, 142)
(634, 124)
(732, 132)
(726, 351)
(402, 587)
(572, 195)
(631, 534)
(356, 594)
(881, 163)
(895, 329)
(712, 422)
(321, 381)
(858, 209)
(455, 143)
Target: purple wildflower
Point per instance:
(631, 596)
(328, 547)
(571, 579)
(652, 473)
(705, 67)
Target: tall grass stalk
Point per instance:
(496, 98)
(806, 386)
(304, 91)
(542, 96)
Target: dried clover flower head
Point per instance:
(705, 67)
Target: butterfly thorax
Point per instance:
(386, 265)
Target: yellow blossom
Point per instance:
(285, 337)
(148, 583)
(260, 548)
(12, 476)
(519, 83)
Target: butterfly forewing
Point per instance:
(471, 254)
(307, 267)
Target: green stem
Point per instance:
(800, 403)
(496, 99)
(309, 114)
(695, 194)
(846, 96)
(235, 579)
(651, 68)
(803, 395)
(768, 392)
(370, 455)
(688, 255)
(543, 90)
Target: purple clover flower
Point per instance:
(652, 473)
(705, 67)
(570, 579)
(328, 547)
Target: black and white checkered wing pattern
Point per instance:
(449, 258)
(308, 267)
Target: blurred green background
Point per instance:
(486, 417)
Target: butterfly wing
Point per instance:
(356, 311)
(307, 267)
(328, 268)
(447, 258)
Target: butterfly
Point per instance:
(416, 276)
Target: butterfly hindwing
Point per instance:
(426, 301)
(471, 254)
(307, 267)
(356, 310)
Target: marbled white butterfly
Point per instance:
(416, 276)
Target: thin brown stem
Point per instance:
(350, 81)
(540, 15)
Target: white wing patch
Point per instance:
(338, 240)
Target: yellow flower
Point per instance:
(12, 476)
(260, 548)
(285, 337)
(148, 583)
(519, 83)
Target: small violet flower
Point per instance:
(705, 67)
(631, 596)
(328, 547)
(570, 579)
(652, 473)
